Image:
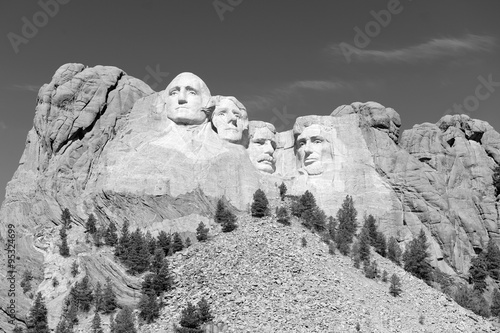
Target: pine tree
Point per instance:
(282, 216)
(162, 281)
(150, 242)
(124, 321)
(394, 251)
(416, 258)
(66, 218)
(283, 190)
(229, 223)
(478, 272)
(371, 227)
(493, 259)
(495, 304)
(201, 232)
(380, 244)
(109, 302)
(37, 322)
(82, 294)
(111, 237)
(307, 201)
(315, 218)
(98, 235)
(177, 244)
(64, 248)
(157, 260)
(122, 248)
(260, 204)
(98, 296)
(70, 312)
(63, 326)
(371, 269)
(187, 243)
(74, 269)
(165, 242)
(96, 323)
(331, 227)
(138, 254)
(346, 216)
(149, 308)
(220, 211)
(395, 287)
(364, 245)
(90, 226)
(204, 313)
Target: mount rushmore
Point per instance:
(105, 143)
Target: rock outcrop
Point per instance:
(105, 143)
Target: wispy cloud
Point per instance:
(26, 87)
(3, 126)
(295, 88)
(434, 49)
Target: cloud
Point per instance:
(286, 91)
(26, 87)
(3, 127)
(432, 50)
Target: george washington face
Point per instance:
(185, 97)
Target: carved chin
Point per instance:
(265, 167)
(314, 168)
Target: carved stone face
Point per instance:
(313, 151)
(261, 148)
(185, 97)
(230, 121)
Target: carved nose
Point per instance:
(268, 148)
(182, 97)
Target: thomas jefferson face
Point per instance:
(313, 151)
(261, 148)
(230, 121)
(185, 97)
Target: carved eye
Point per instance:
(173, 92)
(318, 141)
(192, 92)
(301, 143)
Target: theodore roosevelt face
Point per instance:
(261, 148)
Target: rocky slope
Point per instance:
(259, 278)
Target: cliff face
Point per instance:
(101, 143)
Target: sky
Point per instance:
(280, 58)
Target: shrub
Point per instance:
(282, 216)
(283, 190)
(26, 281)
(371, 269)
(384, 276)
(201, 232)
(395, 287)
(304, 242)
(229, 223)
(64, 248)
(472, 300)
